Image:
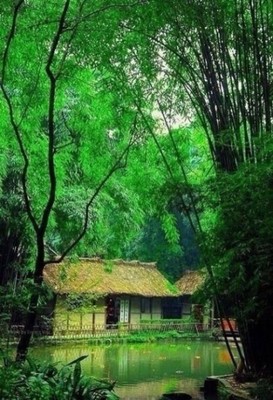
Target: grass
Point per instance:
(149, 337)
(137, 336)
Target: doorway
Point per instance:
(112, 311)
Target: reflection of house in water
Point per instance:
(139, 366)
(92, 294)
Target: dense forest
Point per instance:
(140, 130)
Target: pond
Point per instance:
(146, 371)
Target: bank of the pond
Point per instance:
(227, 387)
(230, 388)
(143, 337)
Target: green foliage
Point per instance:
(173, 289)
(66, 129)
(263, 390)
(166, 235)
(45, 381)
(239, 243)
(108, 266)
(92, 125)
(172, 258)
(69, 111)
(81, 302)
(169, 321)
(153, 336)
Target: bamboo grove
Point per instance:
(92, 109)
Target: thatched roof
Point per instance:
(98, 276)
(190, 282)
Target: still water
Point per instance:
(146, 371)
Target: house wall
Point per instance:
(209, 314)
(61, 317)
(67, 320)
(99, 314)
(156, 308)
(135, 310)
(207, 310)
(152, 308)
(186, 306)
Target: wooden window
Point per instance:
(186, 308)
(146, 305)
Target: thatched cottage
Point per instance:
(183, 306)
(187, 286)
(97, 294)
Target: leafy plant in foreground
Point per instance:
(34, 381)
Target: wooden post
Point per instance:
(212, 315)
(93, 323)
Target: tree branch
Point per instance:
(51, 120)
(109, 7)
(10, 37)
(117, 165)
(12, 118)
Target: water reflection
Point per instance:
(145, 371)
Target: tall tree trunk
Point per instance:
(32, 312)
(28, 329)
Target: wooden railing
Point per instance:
(97, 331)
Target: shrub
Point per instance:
(263, 390)
(33, 381)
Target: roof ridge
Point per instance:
(119, 261)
